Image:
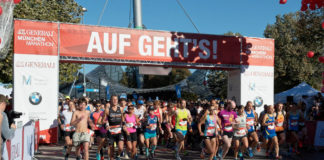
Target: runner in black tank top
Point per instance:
(115, 127)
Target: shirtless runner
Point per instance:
(80, 120)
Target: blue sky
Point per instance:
(248, 17)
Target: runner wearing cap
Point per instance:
(150, 132)
(68, 130)
(140, 111)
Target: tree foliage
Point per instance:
(49, 10)
(295, 34)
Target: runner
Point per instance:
(270, 133)
(280, 123)
(114, 126)
(210, 120)
(80, 120)
(227, 117)
(293, 118)
(182, 117)
(95, 118)
(131, 120)
(240, 132)
(158, 112)
(68, 130)
(150, 133)
(251, 120)
(140, 111)
(103, 133)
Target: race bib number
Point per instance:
(115, 130)
(241, 131)
(250, 122)
(271, 127)
(153, 127)
(211, 131)
(228, 128)
(69, 128)
(129, 125)
(182, 123)
(279, 124)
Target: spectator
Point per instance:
(6, 132)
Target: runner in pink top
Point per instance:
(131, 120)
(227, 117)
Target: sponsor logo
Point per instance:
(258, 101)
(26, 80)
(35, 98)
(252, 86)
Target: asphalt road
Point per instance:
(54, 152)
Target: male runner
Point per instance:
(80, 120)
(68, 130)
(183, 118)
(115, 118)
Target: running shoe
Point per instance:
(220, 152)
(136, 157)
(240, 154)
(66, 157)
(250, 153)
(102, 158)
(118, 158)
(278, 157)
(98, 157)
(214, 158)
(178, 157)
(126, 156)
(152, 155)
(202, 154)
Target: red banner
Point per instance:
(79, 42)
(32, 37)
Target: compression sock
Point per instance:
(147, 152)
(153, 148)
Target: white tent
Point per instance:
(297, 92)
(5, 91)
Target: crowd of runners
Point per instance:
(136, 127)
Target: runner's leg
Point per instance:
(227, 144)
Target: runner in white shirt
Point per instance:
(68, 130)
(140, 110)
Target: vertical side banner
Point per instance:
(178, 91)
(257, 83)
(36, 66)
(107, 92)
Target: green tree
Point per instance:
(49, 10)
(217, 79)
(217, 83)
(295, 34)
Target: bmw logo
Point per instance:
(258, 101)
(35, 98)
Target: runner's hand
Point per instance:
(13, 126)
(201, 134)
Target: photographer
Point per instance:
(6, 132)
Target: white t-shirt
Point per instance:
(67, 116)
(140, 112)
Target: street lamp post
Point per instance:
(84, 79)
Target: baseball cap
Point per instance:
(140, 102)
(123, 96)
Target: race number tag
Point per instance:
(228, 127)
(182, 123)
(294, 123)
(68, 128)
(153, 127)
(250, 122)
(241, 131)
(271, 126)
(129, 125)
(115, 129)
(211, 131)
